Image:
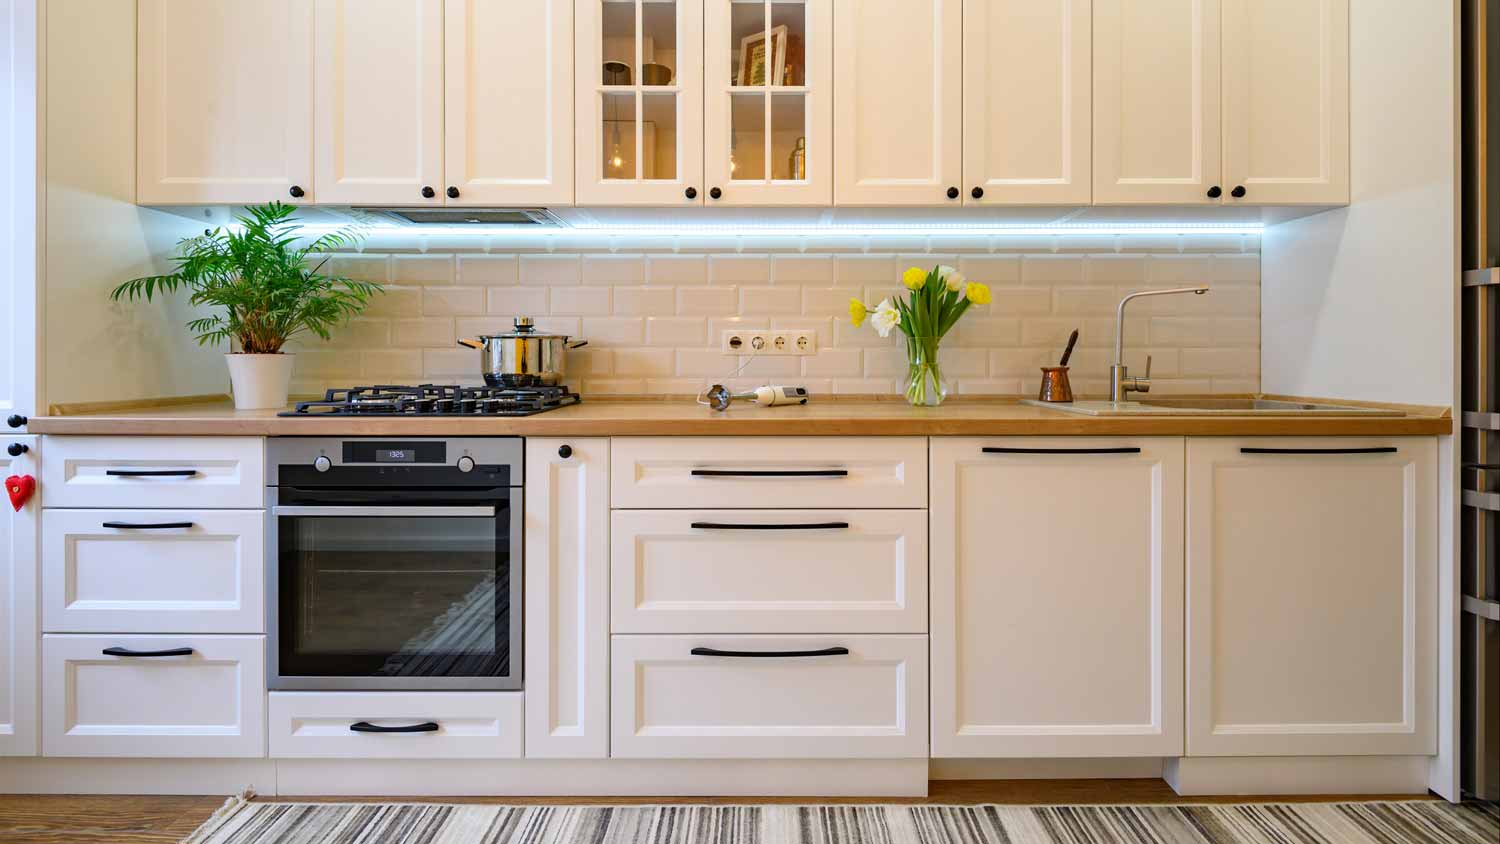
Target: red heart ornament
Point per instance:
(20, 488)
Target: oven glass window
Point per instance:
(394, 596)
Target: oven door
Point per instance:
(394, 597)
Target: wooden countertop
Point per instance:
(682, 417)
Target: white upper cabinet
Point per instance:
(1311, 598)
(1156, 102)
(769, 101)
(509, 102)
(1286, 102)
(1026, 94)
(378, 101)
(639, 102)
(378, 98)
(900, 139)
(1057, 597)
(225, 102)
(18, 211)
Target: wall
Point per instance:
(654, 319)
(95, 236)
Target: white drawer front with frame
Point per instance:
(396, 725)
(198, 472)
(759, 571)
(769, 697)
(866, 472)
(153, 571)
(157, 696)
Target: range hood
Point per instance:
(494, 218)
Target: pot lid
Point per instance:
(525, 327)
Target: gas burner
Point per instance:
(435, 400)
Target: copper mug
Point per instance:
(1055, 386)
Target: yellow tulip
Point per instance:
(858, 312)
(978, 293)
(914, 278)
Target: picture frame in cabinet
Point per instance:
(757, 68)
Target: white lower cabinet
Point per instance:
(1311, 596)
(775, 697)
(157, 696)
(1057, 597)
(769, 571)
(151, 571)
(18, 618)
(396, 725)
(140, 472)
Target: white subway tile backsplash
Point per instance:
(654, 319)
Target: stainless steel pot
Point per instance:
(523, 358)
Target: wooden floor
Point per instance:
(54, 819)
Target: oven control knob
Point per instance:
(322, 464)
(466, 464)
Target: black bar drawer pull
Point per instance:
(144, 654)
(1380, 450)
(770, 473)
(769, 654)
(806, 526)
(367, 727)
(147, 526)
(151, 473)
(1122, 450)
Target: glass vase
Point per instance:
(925, 386)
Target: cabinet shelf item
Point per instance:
(1482, 607)
(1482, 500)
(1485, 277)
(1482, 421)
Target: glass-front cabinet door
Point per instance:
(769, 104)
(640, 102)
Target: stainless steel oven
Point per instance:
(394, 563)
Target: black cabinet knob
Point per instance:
(691, 193)
(714, 193)
(17, 449)
(1238, 192)
(297, 192)
(565, 451)
(15, 420)
(452, 192)
(977, 192)
(1215, 192)
(428, 192)
(953, 193)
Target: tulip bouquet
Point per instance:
(932, 306)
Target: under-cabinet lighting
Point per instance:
(804, 232)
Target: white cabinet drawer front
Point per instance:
(208, 703)
(667, 702)
(416, 725)
(140, 571)
(721, 571)
(769, 472)
(153, 472)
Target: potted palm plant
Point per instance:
(263, 290)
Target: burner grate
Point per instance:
(435, 400)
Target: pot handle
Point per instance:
(578, 344)
(471, 344)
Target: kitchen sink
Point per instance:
(1228, 406)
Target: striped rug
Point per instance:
(1418, 822)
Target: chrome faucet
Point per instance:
(1120, 384)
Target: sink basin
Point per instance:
(1228, 406)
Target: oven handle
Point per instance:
(387, 512)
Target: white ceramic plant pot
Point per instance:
(260, 382)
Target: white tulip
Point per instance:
(886, 317)
(956, 282)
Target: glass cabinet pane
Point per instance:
(747, 136)
(788, 38)
(789, 136)
(619, 136)
(748, 55)
(659, 136)
(618, 48)
(658, 42)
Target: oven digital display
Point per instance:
(418, 451)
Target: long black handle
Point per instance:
(129, 652)
(1123, 450)
(367, 727)
(770, 473)
(1380, 450)
(151, 473)
(799, 526)
(769, 654)
(147, 526)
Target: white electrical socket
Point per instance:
(781, 343)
